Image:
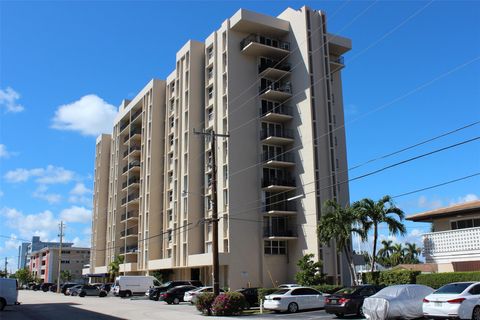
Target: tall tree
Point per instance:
(372, 214)
(411, 253)
(385, 253)
(397, 256)
(24, 276)
(338, 223)
(310, 272)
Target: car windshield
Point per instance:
(347, 290)
(166, 284)
(283, 291)
(453, 288)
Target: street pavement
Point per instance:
(37, 305)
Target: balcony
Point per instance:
(279, 137)
(132, 182)
(132, 151)
(134, 166)
(276, 91)
(274, 70)
(123, 126)
(279, 113)
(452, 246)
(131, 199)
(136, 114)
(273, 184)
(275, 234)
(260, 46)
(336, 63)
(282, 160)
(131, 215)
(128, 250)
(132, 232)
(135, 134)
(280, 208)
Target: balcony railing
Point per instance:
(273, 181)
(273, 64)
(131, 197)
(130, 150)
(131, 165)
(283, 157)
(460, 241)
(339, 60)
(275, 43)
(130, 182)
(128, 249)
(132, 133)
(129, 232)
(135, 115)
(280, 206)
(283, 133)
(277, 86)
(128, 215)
(123, 126)
(267, 232)
(280, 109)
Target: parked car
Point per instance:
(251, 297)
(460, 300)
(90, 290)
(52, 288)
(154, 292)
(45, 286)
(34, 286)
(175, 295)
(396, 302)
(73, 291)
(349, 300)
(288, 285)
(191, 296)
(105, 287)
(8, 292)
(294, 299)
(67, 285)
(126, 286)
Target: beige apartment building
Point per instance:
(274, 85)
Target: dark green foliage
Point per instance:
(228, 304)
(262, 292)
(204, 302)
(23, 276)
(436, 280)
(388, 278)
(327, 288)
(309, 273)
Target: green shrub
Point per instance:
(262, 292)
(388, 278)
(204, 302)
(327, 288)
(436, 280)
(228, 304)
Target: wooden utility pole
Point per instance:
(60, 257)
(214, 220)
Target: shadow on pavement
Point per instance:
(52, 311)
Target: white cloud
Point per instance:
(82, 243)
(48, 175)
(467, 198)
(28, 225)
(425, 203)
(76, 214)
(41, 193)
(90, 115)
(10, 243)
(1, 193)
(80, 189)
(8, 100)
(4, 153)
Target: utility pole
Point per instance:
(214, 220)
(60, 256)
(6, 263)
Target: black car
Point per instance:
(176, 294)
(52, 288)
(154, 293)
(105, 287)
(349, 300)
(67, 285)
(251, 297)
(45, 286)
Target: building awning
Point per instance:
(97, 275)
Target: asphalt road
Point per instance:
(37, 305)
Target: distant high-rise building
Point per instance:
(26, 249)
(274, 84)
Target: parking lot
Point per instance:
(48, 305)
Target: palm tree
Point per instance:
(372, 214)
(385, 252)
(411, 253)
(337, 223)
(114, 267)
(66, 275)
(398, 255)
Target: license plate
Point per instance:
(334, 301)
(437, 304)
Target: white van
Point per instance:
(8, 292)
(126, 286)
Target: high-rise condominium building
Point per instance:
(274, 85)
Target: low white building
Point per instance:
(454, 243)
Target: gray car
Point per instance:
(73, 291)
(89, 290)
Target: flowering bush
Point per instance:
(204, 302)
(230, 303)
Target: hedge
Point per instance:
(388, 278)
(204, 302)
(229, 304)
(436, 280)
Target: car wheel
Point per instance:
(2, 304)
(360, 312)
(176, 301)
(247, 305)
(169, 302)
(128, 294)
(82, 294)
(74, 293)
(476, 313)
(102, 294)
(339, 315)
(156, 297)
(292, 307)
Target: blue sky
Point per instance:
(413, 73)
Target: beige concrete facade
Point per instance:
(273, 84)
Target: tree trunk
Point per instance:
(374, 252)
(351, 267)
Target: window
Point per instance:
(170, 215)
(475, 290)
(210, 114)
(172, 122)
(225, 196)
(169, 235)
(172, 87)
(210, 52)
(210, 73)
(210, 92)
(465, 223)
(170, 138)
(275, 247)
(208, 202)
(170, 177)
(170, 196)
